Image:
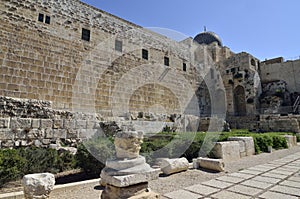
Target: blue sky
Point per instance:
(264, 28)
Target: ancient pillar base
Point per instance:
(139, 191)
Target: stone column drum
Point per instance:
(127, 175)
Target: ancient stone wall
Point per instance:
(287, 71)
(43, 56)
(36, 123)
(277, 123)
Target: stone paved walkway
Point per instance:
(277, 179)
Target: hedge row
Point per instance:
(168, 144)
(15, 163)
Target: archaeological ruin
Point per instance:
(67, 66)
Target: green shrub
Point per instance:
(39, 160)
(91, 156)
(279, 142)
(11, 165)
(298, 137)
(15, 163)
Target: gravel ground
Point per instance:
(180, 180)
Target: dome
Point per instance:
(208, 38)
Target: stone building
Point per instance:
(82, 59)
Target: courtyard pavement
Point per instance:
(279, 179)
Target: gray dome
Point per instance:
(208, 38)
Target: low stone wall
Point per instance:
(234, 149)
(279, 123)
(242, 122)
(33, 122)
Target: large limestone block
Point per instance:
(228, 151)
(116, 179)
(291, 140)
(246, 145)
(170, 166)
(211, 164)
(38, 186)
(140, 191)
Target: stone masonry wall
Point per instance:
(51, 62)
(33, 122)
(277, 123)
(286, 71)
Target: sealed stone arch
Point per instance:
(239, 101)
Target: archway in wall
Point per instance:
(239, 101)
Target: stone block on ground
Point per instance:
(38, 185)
(291, 140)
(170, 166)
(114, 178)
(132, 192)
(228, 151)
(246, 145)
(211, 164)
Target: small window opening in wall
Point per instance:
(212, 73)
(145, 54)
(48, 19)
(253, 62)
(118, 45)
(166, 61)
(86, 34)
(41, 18)
(184, 67)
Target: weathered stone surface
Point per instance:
(170, 166)
(211, 164)
(228, 151)
(128, 144)
(140, 191)
(125, 163)
(291, 140)
(111, 177)
(72, 150)
(38, 186)
(246, 145)
(20, 123)
(4, 122)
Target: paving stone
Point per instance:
(229, 195)
(271, 195)
(291, 167)
(283, 172)
(286, 190)
(217, 184)
(254, 172)
(245, 190)
(294, 178)
(260, 168)
(266, 179)
(242, 175)
(274, 175)
(182, 194)
(230, 179)
(286, 168)
(291, 183)
(270, 165)
(257, 184)
(202, 189)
